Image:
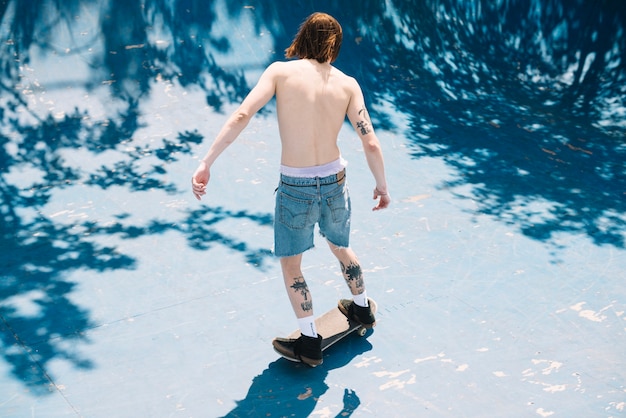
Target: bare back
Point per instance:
(312, 101)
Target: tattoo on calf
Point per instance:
(307, 306)
(300, 285)
(353, 274)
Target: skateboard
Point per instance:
(333, 326)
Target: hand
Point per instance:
(199, 180)
(383, 199)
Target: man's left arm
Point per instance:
(358, 116)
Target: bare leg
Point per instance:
(296, 286)
(307, 347)
(350, 268)
(358, 308)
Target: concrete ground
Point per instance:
(123, 296)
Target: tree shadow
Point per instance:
(39, 321)
(38, 317)
(198, 228)
(523, 99)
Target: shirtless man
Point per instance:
(313, 99)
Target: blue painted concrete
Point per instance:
(498, 270)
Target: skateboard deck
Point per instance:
(333, 326)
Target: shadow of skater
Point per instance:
(350, 403)
(293, 389)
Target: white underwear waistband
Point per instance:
(323, 170)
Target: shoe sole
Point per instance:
(287, 356)
(347, 315)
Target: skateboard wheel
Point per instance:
(362, 331)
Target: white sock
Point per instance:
(361, 299)
(307, 326)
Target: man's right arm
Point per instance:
(262, 92)
(255, 100)
(360, 120)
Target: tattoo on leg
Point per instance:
(300, 285)
(353, 274)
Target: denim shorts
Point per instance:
(302, 202)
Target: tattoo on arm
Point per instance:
(364, 125)
(300, 285)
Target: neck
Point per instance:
(316, 62)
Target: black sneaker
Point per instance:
(305, 349)
(363, 316)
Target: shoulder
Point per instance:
(348, 83)
(273, 70)
(282, 66)
(345, 79)
(280, 70)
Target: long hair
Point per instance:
(319, 38)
